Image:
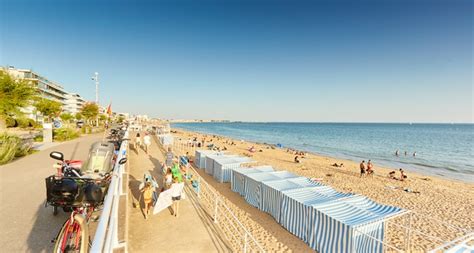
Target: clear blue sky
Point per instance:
(370, 61)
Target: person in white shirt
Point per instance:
(147, 142)
(138, 142)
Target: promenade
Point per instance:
(191, 231)
(26, 225)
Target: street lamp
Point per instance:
(96, 79)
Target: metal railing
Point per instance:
(239, 238)
(106, 235)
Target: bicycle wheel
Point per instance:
(73, 237)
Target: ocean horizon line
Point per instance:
(326, 122)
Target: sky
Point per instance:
(319, 61)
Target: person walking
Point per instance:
(370, 168)
(146, 142)
(138, 142)
(176, 195)
(169, 158)
(362, 168)
(147, 192)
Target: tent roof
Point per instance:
(356, 210)
(274, 175)
(258, 169)
(232, 160)
(314, 195)
(304, 181)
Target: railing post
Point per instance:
(245, 243)
(199, 187)
(409, 232)
(215, 210)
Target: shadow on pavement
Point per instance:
(46, 226)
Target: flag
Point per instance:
(109, 109)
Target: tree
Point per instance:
(14, 95)
(66, 117)
(48, 108)
(90, 111)
(79, 116)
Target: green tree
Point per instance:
(66, 117)
(120, 119)
(48, 108)
(90, 111)
(14, 95)
(79, 116)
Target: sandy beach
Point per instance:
(438, 198)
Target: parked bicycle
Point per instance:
(81, 191)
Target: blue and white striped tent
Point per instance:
(295, 203)
(253, 185)
(272, 193)
(343, 225)
(210, 161)
(200, 157)
(223, 167)
(237, 182)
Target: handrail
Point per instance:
(105, 238)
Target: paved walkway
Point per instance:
(25, 224)
(192, 231)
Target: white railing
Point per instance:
(106, 235)
(239, 238)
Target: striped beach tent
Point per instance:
(272, 193)
(210, 161)
(295, 203)
(237, 181)
(253, 185)
(223, 167)
(343, 225)
(200, 157)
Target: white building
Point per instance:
(48, 89)
(73, 103)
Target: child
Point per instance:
(147, 191)
(168, 179)
(176, 197)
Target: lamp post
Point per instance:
(96, 79)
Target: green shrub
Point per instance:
(64, 134)
(38, 138)
(11, 122)
(22, 150)
(9, 145)
(23, 122)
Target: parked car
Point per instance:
(80, 123)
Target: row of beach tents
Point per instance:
(325, 219)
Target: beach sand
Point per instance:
(439, 199)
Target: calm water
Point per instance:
(442, 149)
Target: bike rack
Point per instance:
(106, 235)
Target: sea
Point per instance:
(445, 150)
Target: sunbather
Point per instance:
(403, 176)
(391, 175)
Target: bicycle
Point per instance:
(81, 195)
(74, 234)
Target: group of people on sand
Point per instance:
(397, 153)
(298, 154)
(402, 177)
(145, 144)
(366, 169)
